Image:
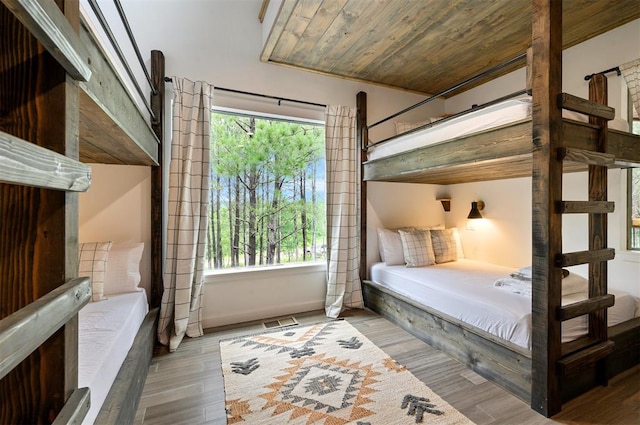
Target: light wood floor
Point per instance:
(186, 387)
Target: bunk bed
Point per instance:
(541, 146)
(63, 105)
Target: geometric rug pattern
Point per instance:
(325, 374)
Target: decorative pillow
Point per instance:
(456, 236)
(390, 247)
(123, 268)
(444, 245)
(417, 249)
(92, 262)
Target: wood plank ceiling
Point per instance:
(423, 46)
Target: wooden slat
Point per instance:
(583, 358)
(47, 23)
(581, 308)
(75, 409)
(586, 157)
(584, 257)
(583, 106)
(28, 164)
(585, 207)
(122, 401)
(23, 331)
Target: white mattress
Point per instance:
(106, 332)
(465, 290)
(502, 113)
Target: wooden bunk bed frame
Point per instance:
(552, 372)
(62, 104)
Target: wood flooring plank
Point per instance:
(187, 386)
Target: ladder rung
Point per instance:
(588, 107)
(583, 307)
(580, 359)
(585, 207)
(586, 157)
(584, 257)
(580, 343)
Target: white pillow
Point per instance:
(92, 262)
(123, 268)
(444, 245)
(456, 236)
(390, 247)
(417, 248)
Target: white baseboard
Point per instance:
(212, 321)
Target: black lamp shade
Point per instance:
(475, 212)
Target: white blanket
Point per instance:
(465, 290)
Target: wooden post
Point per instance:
(546, 191)
(598, 223)
(362, 138)
(38, 227)
(157, 208)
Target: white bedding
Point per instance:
(502, 113)
(106, 332)
(465, 290)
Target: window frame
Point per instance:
(241, 272)
(631, 119)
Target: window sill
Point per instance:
(244, 273)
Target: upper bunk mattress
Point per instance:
(465, 290)
(106, 332)
(492, 116)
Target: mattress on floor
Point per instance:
(106, 332)
(465, 290)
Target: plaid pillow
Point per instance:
(444, 245)
(93, 263)
(417, 249)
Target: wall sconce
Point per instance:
(476, 207)
(446, 203)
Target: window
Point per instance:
(267, 192)
(633, 183)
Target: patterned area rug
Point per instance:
(325, 374)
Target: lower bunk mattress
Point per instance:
(465, 290)
(106, 333)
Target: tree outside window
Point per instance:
(267, 192)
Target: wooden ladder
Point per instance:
(594, 347)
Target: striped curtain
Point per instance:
(343, 219)
(631, 74)
(188, 208)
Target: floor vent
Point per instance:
(280, 323)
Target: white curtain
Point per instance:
(631, 74)
(343, 206)
(188, 208)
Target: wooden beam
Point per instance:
(362, 138)
(27, 164)
(157, 176)
(48, 24)
(547, 191)
(584, 207)
(583, 257)
(105, 103)
(581, 308)
(579, 360)
(24, 331)
(75, 409)
(586, 157)
(583, 106)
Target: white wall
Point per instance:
(117, 208)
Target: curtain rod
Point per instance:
(279, 99)
(615, 68)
